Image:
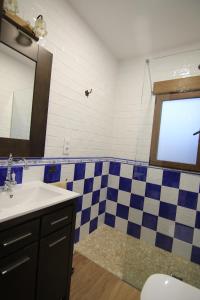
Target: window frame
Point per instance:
(156, 132)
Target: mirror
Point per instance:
(17, 76)
(25, 77)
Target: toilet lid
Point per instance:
(164, 287)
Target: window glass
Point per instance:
(179, 120)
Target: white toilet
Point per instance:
(164, 287)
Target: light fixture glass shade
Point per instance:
(40, 28)
(11, 6)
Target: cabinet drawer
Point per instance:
(18, 237)
(18, 274)
(56, 220)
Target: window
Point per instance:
(176, 119)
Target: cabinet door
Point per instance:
(18, 275)
(54, 265)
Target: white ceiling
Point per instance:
(135, 27)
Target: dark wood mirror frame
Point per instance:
(34, 147)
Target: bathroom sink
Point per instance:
(30, 197)
(160, 286)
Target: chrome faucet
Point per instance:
(10, 177)
(10, 181)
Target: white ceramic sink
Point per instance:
(164, 287)
(30, 197)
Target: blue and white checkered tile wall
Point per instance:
(90, 181)
(159, 206)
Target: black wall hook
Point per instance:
(88, 92)
(198, 132)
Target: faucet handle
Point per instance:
(10, 157)
(13, 176)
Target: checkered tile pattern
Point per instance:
(159, 206)
(90, 180)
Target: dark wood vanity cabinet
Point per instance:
(36, 253)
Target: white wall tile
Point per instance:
(84, 230)
(101, 219)
(124, 198)
(135, 216)
(89, 172)
(113, 181)
(138, 187)
(94, 211)
(33, 174)
(151, 206)
(169, 195)
(111, 207)
(182, 249)
(67, 172)
(154, 176)
(185, 216)
(148, 235)
(103, 194)
(97, 183)
(121, 224)
(105, 170)
(87, 201)
(166, 226)
(189, 182)
(78, 186)
(78, 219)
(126, 171)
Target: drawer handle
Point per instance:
(14, 266)
(59, 220)
(57, 242)
(20, 238)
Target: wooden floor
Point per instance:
(91, 282)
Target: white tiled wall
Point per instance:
(134, 105)
(80, 62)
